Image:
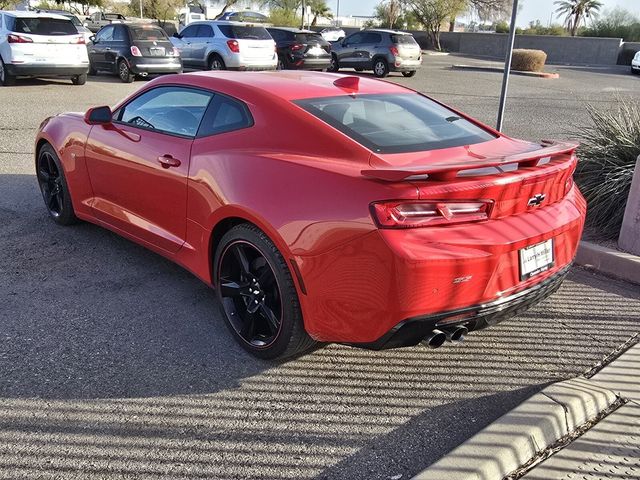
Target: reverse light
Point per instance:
(18, 39)
(233, 45)
(394, 51)
(135, 51)
(414, 214)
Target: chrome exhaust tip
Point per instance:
(435, 339)
(457, 334)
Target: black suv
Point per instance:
(380, 50)
(134, 49)
(300, 49)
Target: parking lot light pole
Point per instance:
(507, 65)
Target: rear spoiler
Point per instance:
(449, 170)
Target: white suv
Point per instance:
(635, 63)
(41, 45)
(217, 45)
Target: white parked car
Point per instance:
(216, 45)
(332, 34)
(635, 63)
(41, 45)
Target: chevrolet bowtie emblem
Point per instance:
(536, 200)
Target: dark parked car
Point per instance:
(380, 50)
(301, 49)
(134, 49)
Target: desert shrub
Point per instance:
(282, 17)
(502, 27)
(607, 156)
(528, 60)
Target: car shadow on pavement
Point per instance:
(114, 363)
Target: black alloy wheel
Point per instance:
(54, 187)
(257, 295)
(124, 72)
(334, 66)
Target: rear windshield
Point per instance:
(146, 33)
(113, 16)
(396, 123)
(74, 20)
(43, 26)
(244, 32)
(309, 38)
(403, 40)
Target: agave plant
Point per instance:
(609, 148)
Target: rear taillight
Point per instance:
(234, 46)
(18, 39)
(297, 46)
(394, 51)
(135, 51)
(414, 214)
(79, 40)
(173, 52)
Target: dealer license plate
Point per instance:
(536, 259)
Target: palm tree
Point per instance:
(319, 8)
(575, 11)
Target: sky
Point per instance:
(531, 10)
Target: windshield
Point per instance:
(148, 33)
(43, 26)
(244, 32)
(396, 123)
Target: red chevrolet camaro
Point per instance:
(322, 207)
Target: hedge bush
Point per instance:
(528, 60)
(607, 157)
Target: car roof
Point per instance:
(31, 14)
(291, 29)
(386, 30)
(284, 84)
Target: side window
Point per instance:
(372, 38)
(96, 16)
(355, 39)
(190, 31)
(174, 110)
(225, 114)
(105, 35)
(204, 31)
(119, 34)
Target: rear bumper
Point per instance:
(236, 62)
(156, 65)
(405, 65)
(411, 331)
(310, 63)
(386, 277)
(47, 70)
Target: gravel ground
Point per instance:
(115, 364)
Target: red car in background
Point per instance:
(322, 207)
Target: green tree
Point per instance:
(616, 23)
(319, 8)
(576, 11)
(284, 17)
(227, 5)
(433, 13)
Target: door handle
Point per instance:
(168, 161)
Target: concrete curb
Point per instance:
(608, 261)
(479, 68)
(519, 435)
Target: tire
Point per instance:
(409, 74)
(216, 62)
(124, 72)
(79, 79)
(6, 79)
(380, 68)
(54, 188)
(280, 65)
(334, 66)
(267, 272)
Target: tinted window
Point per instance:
(354, 39)
(396, 123)
(190, 31)
(119, 34)
(44, 26)
(204, 31)
(174, 110)
(403, 40)
(224, 115)
(244, 32)
(309, 38)
(148, 33)
(279, 35)
(73, 19)
(105, 35)
(372, 38)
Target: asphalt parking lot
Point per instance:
(115, 364)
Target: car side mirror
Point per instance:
(93, 39)
(177, 35)
(98, 116)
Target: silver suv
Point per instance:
(380, 50)
(217, 45)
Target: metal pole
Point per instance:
(140, 9)
(337, 13)
(304, 9)
(507, 65)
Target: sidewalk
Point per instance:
(610, 449)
